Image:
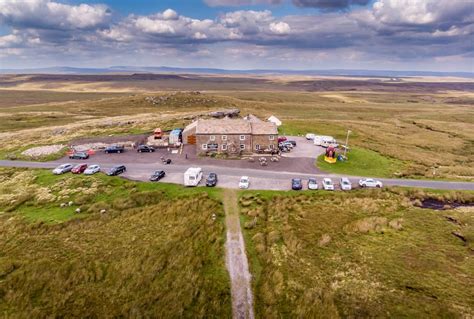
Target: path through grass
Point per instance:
(236, 259)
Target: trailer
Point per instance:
(192, 176)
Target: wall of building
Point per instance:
(264, 141)
(232, 141)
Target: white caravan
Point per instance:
(324, 141)
(192, 176)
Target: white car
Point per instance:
(328, 185)
(63, 168)
(244, 182)
(92, 169)
(310, 136)
(345, 184)
(370, 182)
(312, 184)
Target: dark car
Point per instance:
(145, 149)
(157, 175)
(211, 180)
(116, 170)
(79, 169)
(79, 155)
(296, 184)
(292, 142)
(114, 149)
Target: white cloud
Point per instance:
(47, 14)
(170, 14)
(280, 27)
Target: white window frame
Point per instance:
(204, 146)
(257, 147)
(272, 137)
(224, 147)
(242, 146)
(272, 146)
(224, 137)
(212, 137)
(242, 137)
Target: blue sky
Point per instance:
(240, 34)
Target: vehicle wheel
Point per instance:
(378, 186)
(119, 152)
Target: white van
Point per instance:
(192, 176)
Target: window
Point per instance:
(242, 146)
(212, 137)
(224, 147)
(272, 146)
(257, 147)
(224, 137)
(242, 137)
(204, 146)
(212, 147)
(272, 137)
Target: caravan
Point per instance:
(192, 176)
(325, 141)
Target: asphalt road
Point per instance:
(229, 176)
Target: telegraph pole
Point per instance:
(347, 142)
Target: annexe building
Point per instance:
(231, 136)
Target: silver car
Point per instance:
(345, 184)
(62, 169)
(92, 169)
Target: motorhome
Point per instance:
(325, 141)
(192, 176)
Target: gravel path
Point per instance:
(236, 260)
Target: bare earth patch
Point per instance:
(43, 150)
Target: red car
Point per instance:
(79, 169)
(282, 139)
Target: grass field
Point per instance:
(361, 254)
(418, 132)
(155, 252)
(363, 162)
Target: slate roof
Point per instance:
(235, 126)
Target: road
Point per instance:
(265, 178)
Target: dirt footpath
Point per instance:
(236, 260)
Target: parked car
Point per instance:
(293, 143)
(296, 184)
(211, 180)
(244, 182)
(281, 139)
(312, 184)
(145, 149)
(287, 144)
(114, 149)
(92, 169)
(157, 175)
(62, 169)
(284, 149)
(310, 136)
(345, 184)
(79, 155)
(370, 182)
(79, 169)
(328, 185)
(116, 170)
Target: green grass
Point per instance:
(363, 162)
(156, 252)
(369, 266)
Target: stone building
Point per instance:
(231, 136)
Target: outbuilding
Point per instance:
(273, 119)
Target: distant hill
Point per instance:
(163, 69)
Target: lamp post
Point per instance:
(347, 142)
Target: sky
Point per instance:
(423, 35)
